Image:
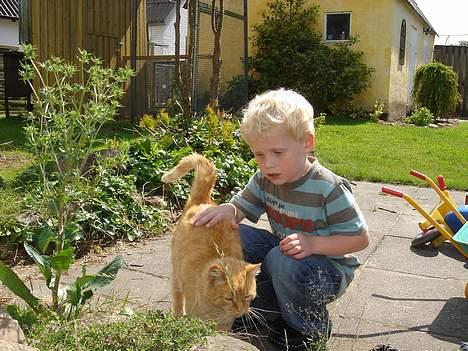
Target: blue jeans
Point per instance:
(295, 290)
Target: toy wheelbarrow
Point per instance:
(442, 214)
(460, 239)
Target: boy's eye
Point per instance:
(278, 152)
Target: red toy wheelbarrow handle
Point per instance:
(391, 191)
(418, 174)
(441, 182)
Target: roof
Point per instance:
(9, 9)
(158, 10)
(416, 8)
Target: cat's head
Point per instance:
(231, 285)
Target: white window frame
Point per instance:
(325, 26)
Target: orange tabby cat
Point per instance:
(209, 278)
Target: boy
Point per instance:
(314, 218)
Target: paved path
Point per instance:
(412, 299)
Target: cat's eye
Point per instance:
(249, 297)
(228, 298)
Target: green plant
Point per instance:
(213, 134)
(320, 120)
(378, 111)
(436, 87)
(70, 106)
(237, 94)
(110, 207)
(421, 117)
(144, 331)
(289, 53)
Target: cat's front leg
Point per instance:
(178, 304)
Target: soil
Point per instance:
(12, 160)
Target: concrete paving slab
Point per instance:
(140, 288)
(395, 254)
(406, 226)
(408, 301)
(362, 335)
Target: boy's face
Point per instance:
(281, 158)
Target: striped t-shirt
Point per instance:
(319, 203)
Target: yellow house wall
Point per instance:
(232, 48)
(377, 25)
(402, 76)
(370, 22)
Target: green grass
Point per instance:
(11, 134)
(386, 153)
(14, 156)
(354, 149)
(145, 331)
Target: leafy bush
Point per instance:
(421, 117)
(289, 53)
(142, 332)
(378, 111)
(436, 87)
(237, 94)
(110, 208)
(214, 135)
(71, 103)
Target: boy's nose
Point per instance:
(269, 162)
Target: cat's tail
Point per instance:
(203, 183)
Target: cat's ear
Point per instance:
(253, 269)
(216, 273)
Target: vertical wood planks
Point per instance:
(456, 57)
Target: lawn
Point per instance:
(14, 155)
(386, 153)
(352, 148)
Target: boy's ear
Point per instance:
(309, 142)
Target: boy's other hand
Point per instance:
(216, 214)
(297, 246)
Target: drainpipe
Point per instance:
(246, 51)
(133, 52)
(195, 55)
(246, 40)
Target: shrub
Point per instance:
(237, 94)
(289, 53)
(436, 87)
(214, 135)
(421, 117)
(71, 103)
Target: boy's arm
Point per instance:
(213, 215)
(299, 245)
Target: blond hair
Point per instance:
(278, 107)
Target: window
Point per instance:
(402, 42)
(337, 26)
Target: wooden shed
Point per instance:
(104, 27)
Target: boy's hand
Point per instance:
(213, 215)
(297, 246)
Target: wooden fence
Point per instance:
(456, 57)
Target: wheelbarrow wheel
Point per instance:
(423, 238)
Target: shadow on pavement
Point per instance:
(452, 320)
(446, 249)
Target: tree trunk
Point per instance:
(216, 26)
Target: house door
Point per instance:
(412, 55)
